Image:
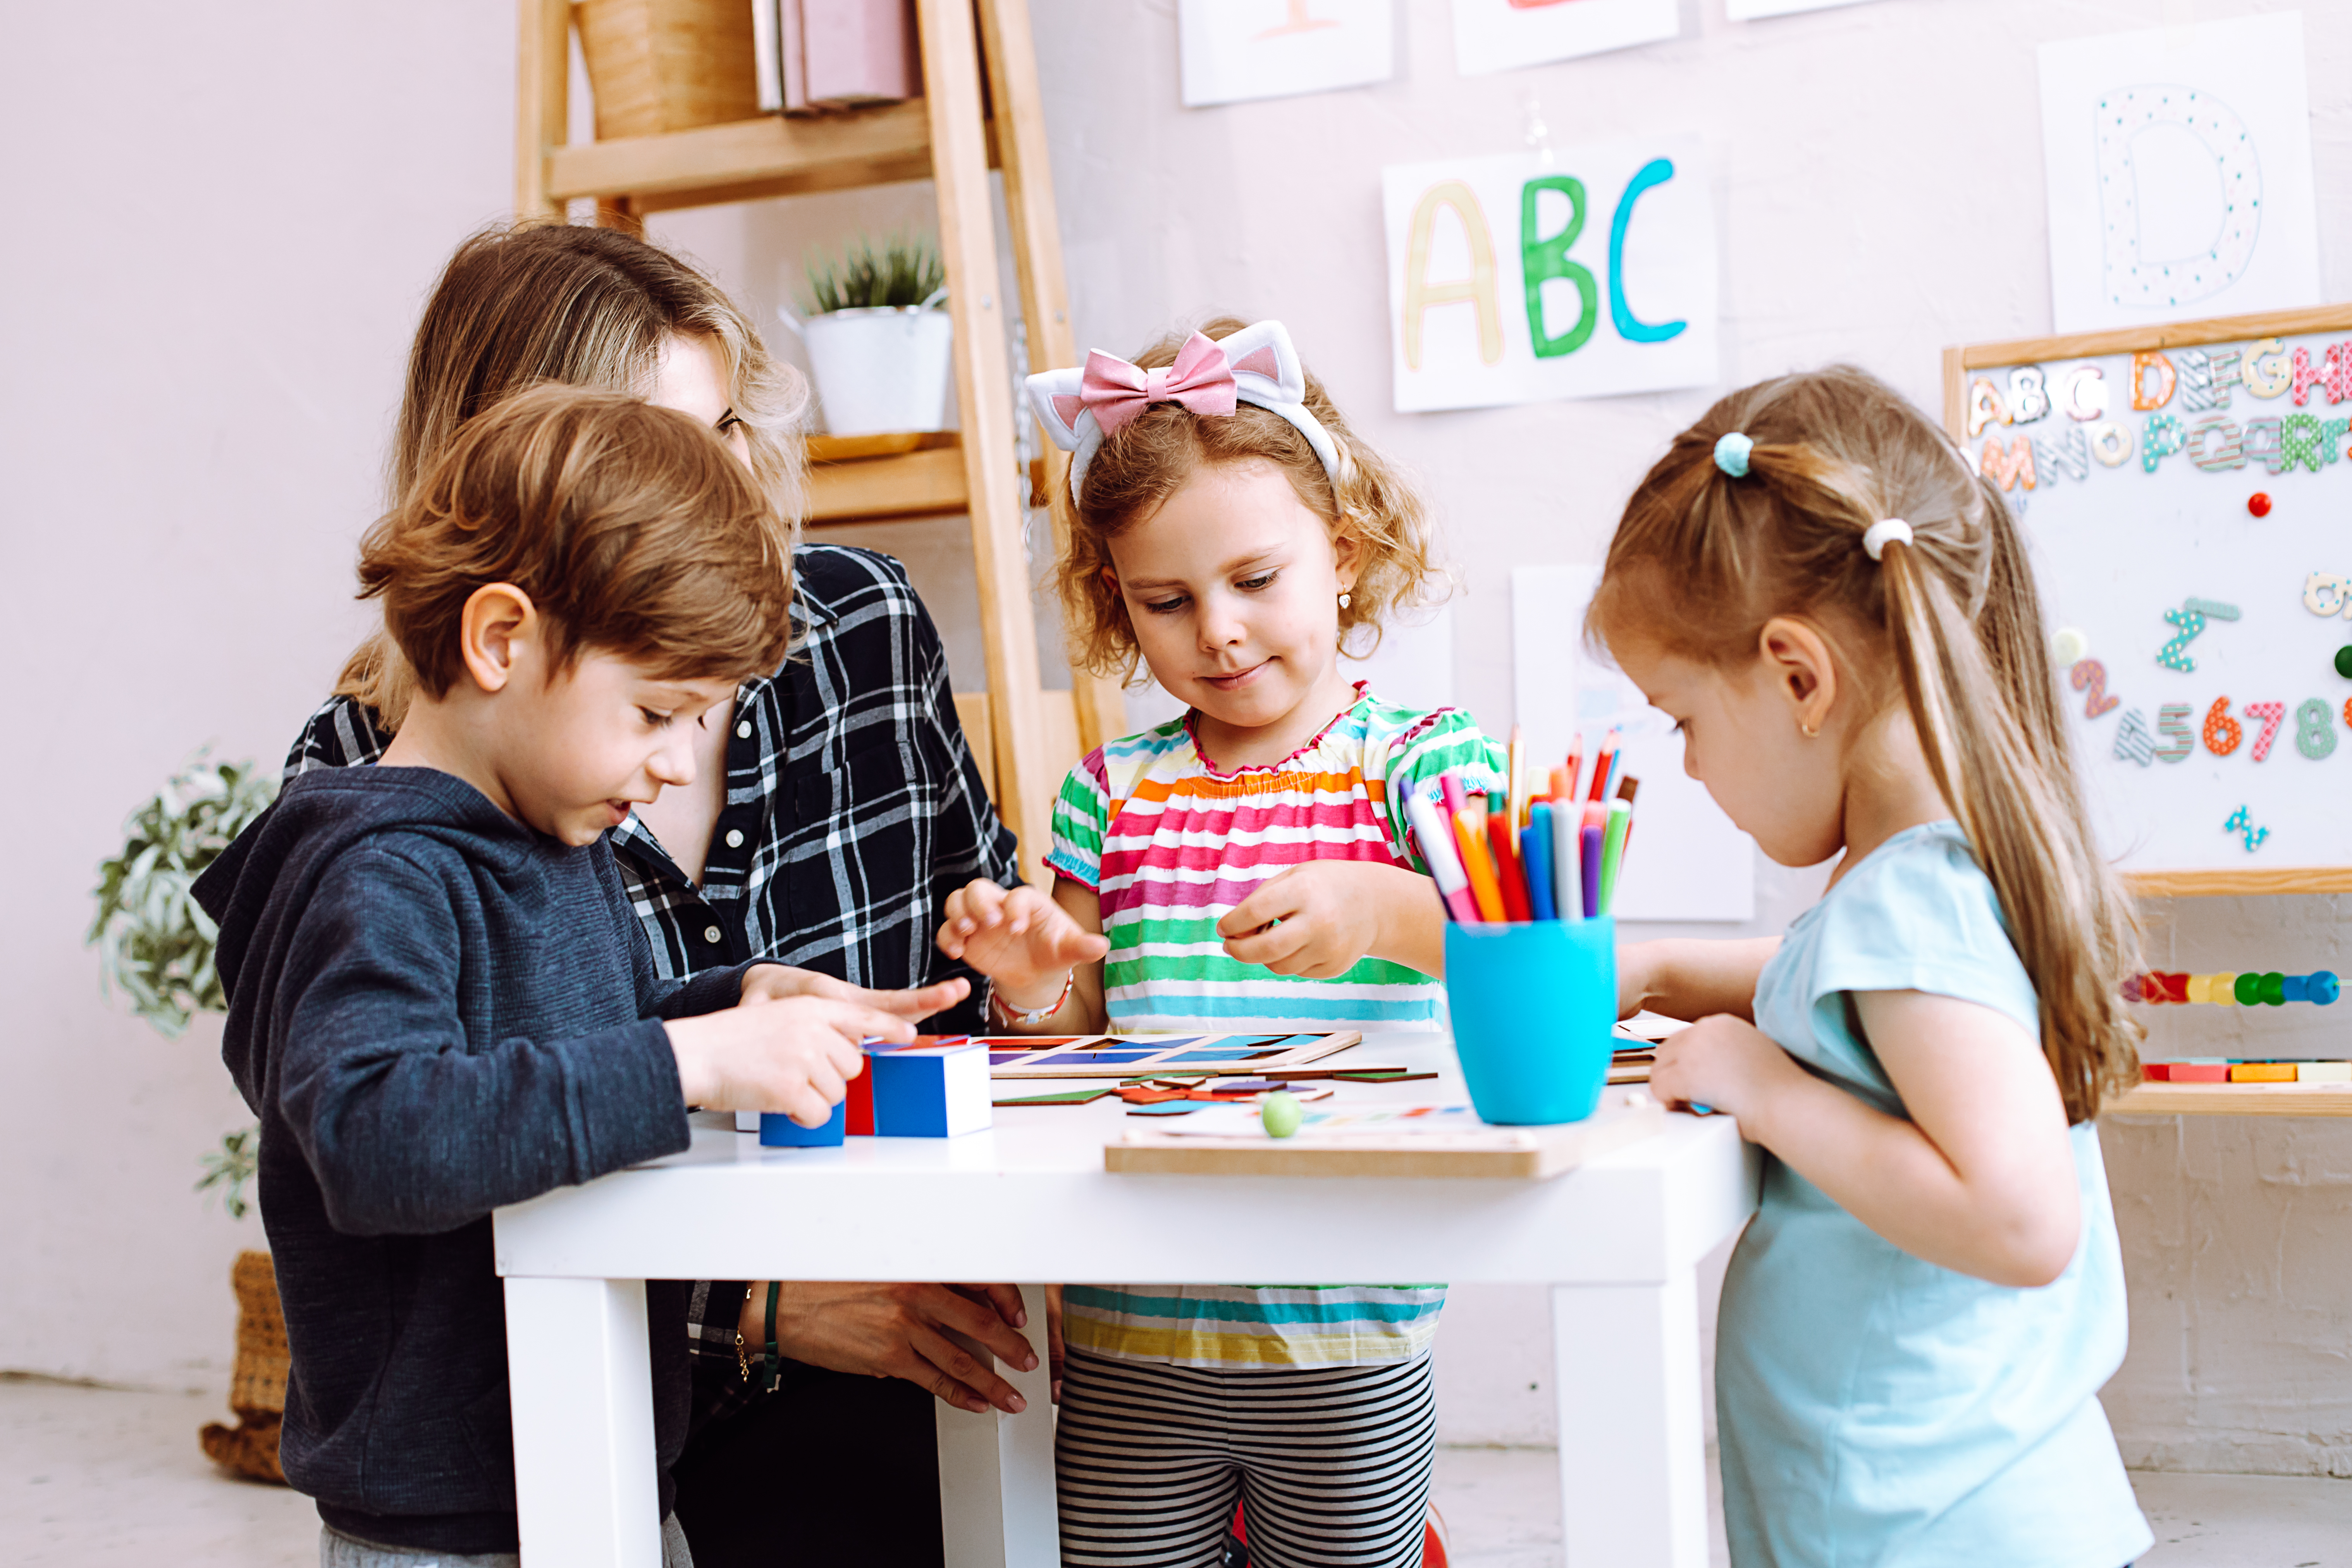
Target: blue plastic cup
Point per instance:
(1533, 1005)
(782, 1132)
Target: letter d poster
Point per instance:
(1583, 272)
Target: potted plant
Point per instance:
(156, 948)
(879, 345)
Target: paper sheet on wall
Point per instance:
(1582, 272)
(1750, 10)
(2179, 173)
(1235, 49)
(1686, 861)
(1503, 35)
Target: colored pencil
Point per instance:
(1626, 792)
(1535, 849)
(1612, 852)
(1588, 850)
(1512, 881)
(1604, 762)
(1516, 795)
(1479, 869)
(1575, 767)
(1568, 882)
(1444, 860)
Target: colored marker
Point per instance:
(1575, 767)
(1479, 869)
(1535, 848)
(1626, 792)
(1612, 852)
(1513, 882)
(1604, 764)
(1445, 861)
(1568, 886)
(1516, 795)
(1563, 786)
(1588, 850)
(1451, 788)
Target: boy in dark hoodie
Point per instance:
(439, 1000)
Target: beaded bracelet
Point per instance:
(1029, 1019)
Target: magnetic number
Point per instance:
(2222, 732)
(2091, 675)
(2315, 737)
(2172, 724)
(2271, 714)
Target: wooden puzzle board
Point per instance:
(1490, 1152)
(1142, 1056)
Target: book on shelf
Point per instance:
(846, 54)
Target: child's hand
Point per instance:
(1019, 938)
(1320, 919)
(774, 982)
(1722, 1062)
(795, 1055)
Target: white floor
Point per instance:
(100, 1479)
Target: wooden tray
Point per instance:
(1520, 1152)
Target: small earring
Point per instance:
(1810, 731)
(1344, 597)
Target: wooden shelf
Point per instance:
(926, 483)
(2233, 1099)
(774, 156)
(2264, 880)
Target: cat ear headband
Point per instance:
(1256, 365)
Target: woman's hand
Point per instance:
(903, 1330)
(1022, 941)
(775, 981)
(1321, 919)
(1723, 1063)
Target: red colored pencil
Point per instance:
(1601, 762)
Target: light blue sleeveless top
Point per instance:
(1877, 1409)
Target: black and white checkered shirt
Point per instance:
(853, 808)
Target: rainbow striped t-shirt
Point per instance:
(1170, 844)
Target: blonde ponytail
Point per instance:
(1956, 611)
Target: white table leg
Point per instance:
(1633, 1445)
(583, 1423)
(996, 1471)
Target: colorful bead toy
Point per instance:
(2259, 504)
(2319, 988)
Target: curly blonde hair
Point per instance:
(1148, 460)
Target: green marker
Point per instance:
(1613, 851)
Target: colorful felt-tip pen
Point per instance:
(1588, 849)
(1535, 849)
(1612, 852)
(1516, 786)
(1479, 869)
(1510, 880)
(1568, 885)
(1436, 840)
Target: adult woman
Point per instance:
(835, 806)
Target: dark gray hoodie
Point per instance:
(434, 1011)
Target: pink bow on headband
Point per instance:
(1202, 379)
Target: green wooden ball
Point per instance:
(2344, 661)
(1281, 1113)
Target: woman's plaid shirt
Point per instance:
(853, 808)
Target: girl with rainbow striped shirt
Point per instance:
(1245, 868)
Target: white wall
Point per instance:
(227, 223)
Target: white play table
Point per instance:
(1029, 1200)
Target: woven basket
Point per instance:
(655, 65)
(257, 1387)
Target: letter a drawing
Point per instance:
(1477, 289)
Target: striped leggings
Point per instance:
(1331, 1464)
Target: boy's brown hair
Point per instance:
(1144, 462)
(632, 530)
(1949, 624)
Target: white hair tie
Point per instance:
(1874, 541)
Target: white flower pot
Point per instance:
(881, 370)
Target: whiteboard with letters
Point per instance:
(2184, 492)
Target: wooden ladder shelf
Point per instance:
(1027, 743)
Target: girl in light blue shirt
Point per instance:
(1838, 612)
